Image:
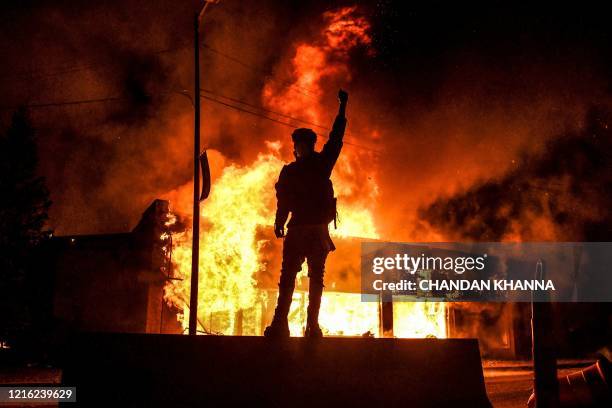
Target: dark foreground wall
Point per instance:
(112, 282)
(183, 371)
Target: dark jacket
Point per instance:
(304, 183)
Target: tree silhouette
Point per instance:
(24, 202)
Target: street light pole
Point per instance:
(195, 246)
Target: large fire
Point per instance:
(242, 205)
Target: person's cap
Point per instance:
(304, 135)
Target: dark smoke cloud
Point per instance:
(449, 98)
(105, 162)
(562, 193)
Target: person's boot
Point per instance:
(313, 331)
(315, 291)
(279, 328)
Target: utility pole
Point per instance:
(195, 246)
(543, 346)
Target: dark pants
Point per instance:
(310, 243)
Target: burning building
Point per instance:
(239, 258)
(113, 282)
(379, 195)
(131, 282)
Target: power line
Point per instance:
(259, 107)
(36, 74)
(58, 71)
(64, 103)
(265, 109)
(288, 124)
(69, 69)
(228, 105)
(75, 69)
(300, 89)
(248, 111)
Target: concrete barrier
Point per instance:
(182, 371)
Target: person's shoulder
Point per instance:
(290, 166)
(288, 169)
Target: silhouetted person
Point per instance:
(305, 190)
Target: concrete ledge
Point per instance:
(174, 370)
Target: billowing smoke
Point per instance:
(436, 108)
(106, 160)
(561, 192)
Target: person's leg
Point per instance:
(293, 258)
(316, 270)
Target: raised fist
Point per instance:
(342, 96)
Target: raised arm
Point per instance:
(332, 147)
(343, 99)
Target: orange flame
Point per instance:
(242, 200)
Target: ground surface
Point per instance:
(509, 384)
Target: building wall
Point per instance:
(114, 282)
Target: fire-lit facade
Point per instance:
(115, 283)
